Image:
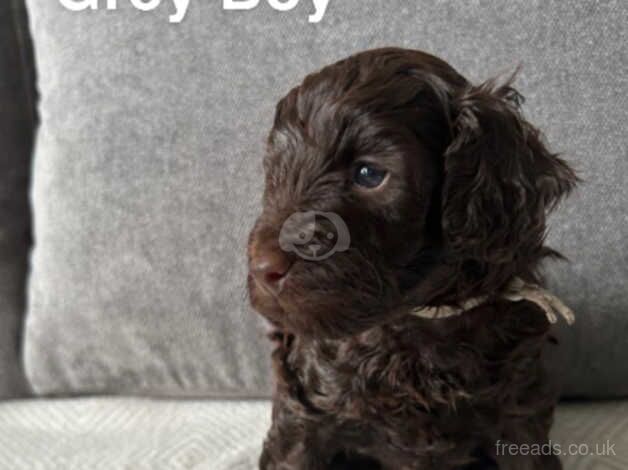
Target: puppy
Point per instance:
(443, 189)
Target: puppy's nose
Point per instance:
(270, 268)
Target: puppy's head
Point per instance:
(391, 181)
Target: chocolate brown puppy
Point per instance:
(442, 189)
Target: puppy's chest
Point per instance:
(357, 380)
(407, 369)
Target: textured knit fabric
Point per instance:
(16, 134)
(121, 434)
(148, 176)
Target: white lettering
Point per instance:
(80, 5)
(320, 7)
(240, 4)
(145, 5)
(283, 5)
(181, 7)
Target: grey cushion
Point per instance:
(16, 133)
(147, 176)
(122, 433)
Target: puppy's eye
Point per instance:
(368, 176)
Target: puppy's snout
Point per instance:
(269, 267)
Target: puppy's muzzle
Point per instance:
(270, 266)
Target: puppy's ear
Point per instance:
(500, 181)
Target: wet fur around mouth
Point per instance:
(360, 383)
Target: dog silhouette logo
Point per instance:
(314, 235)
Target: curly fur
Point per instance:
(360, 383)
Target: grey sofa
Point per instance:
(130, 160)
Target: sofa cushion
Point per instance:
(117, 434)
(147, 176)
(17, 121)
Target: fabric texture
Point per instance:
(140, 434)
(16, 139)
(122, 434)
(148, 176)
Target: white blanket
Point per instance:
(143, 434)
